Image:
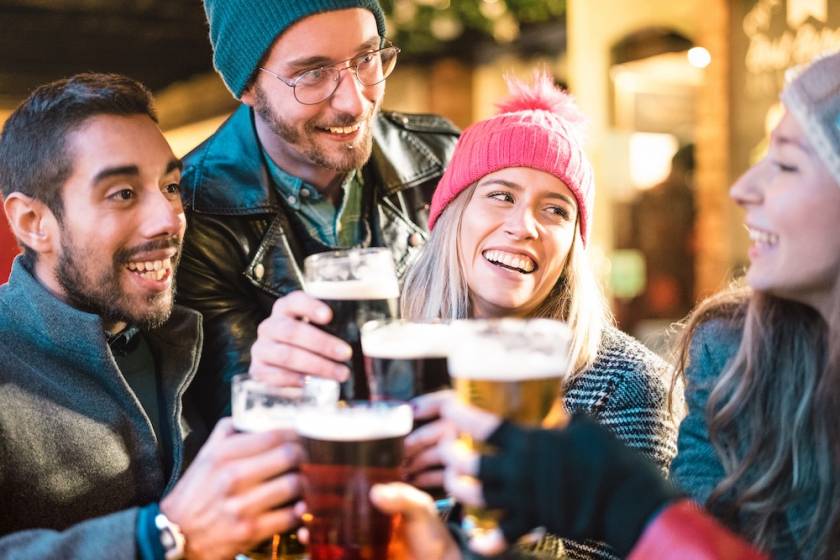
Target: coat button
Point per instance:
(259, 271)
(415, 240)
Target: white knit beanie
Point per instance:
(813, 96)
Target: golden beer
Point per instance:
(514, 369)
(530, 402)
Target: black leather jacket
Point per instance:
(244, 247)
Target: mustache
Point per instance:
(345, 119)
(124, 256)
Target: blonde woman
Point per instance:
(760, 446)
(510, 223)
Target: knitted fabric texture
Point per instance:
(813, 96)
(538, 127)
(242, 31)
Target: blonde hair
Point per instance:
(436, 288)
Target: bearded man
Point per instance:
(308, 163)
(96, 432)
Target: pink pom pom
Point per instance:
(541, 95)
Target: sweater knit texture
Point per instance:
(697, 469)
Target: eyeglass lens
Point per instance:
(370, 69)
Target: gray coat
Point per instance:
(697, 469)
(78, 454)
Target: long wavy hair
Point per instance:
(436, 287)
(773, 418)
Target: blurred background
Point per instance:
(680, 95)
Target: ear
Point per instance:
(248, 97)
(32, 222)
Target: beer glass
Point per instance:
(348, 449)
(257, 407)
(359, 285)
(515, 369)
(405, 359)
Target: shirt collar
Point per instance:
(123, 342)
(293, 189)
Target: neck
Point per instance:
(112, 328)
(824, 301)
(293, 162)
(826, 306)
(485, 310)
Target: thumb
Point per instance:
(398, 497)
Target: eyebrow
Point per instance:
(132, 170)
(783, 140)
(516, 186)
(318, 60)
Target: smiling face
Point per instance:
(792, 207)
(118, 241)
(315, 142)
(515, 236)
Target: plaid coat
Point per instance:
(626, 389)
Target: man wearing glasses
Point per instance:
(308, 163)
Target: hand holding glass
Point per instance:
(514, 369)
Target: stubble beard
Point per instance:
(354, 155)
(102, 294)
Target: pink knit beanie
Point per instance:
(539, 127)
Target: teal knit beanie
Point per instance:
(241, 31)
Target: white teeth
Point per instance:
(156, 270)
(763, 237)
(524, 264)
(343, 129)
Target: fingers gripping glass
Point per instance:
(317, 85)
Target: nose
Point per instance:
(349, 97)
(521, 223)
(747, 190)
(163, 215)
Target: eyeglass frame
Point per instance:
(292, 83)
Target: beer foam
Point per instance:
(492, 365)
(265, 419)
(407, 340)
(510, 350)
(259, 407)
(369, 288)
(355, 423)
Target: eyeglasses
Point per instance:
(319, 84)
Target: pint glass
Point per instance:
(257, 407)
(515, 369)
(405, 359)
(359, 285)
(347, 450)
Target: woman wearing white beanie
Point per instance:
(760, 447)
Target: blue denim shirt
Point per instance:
(334, 227)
